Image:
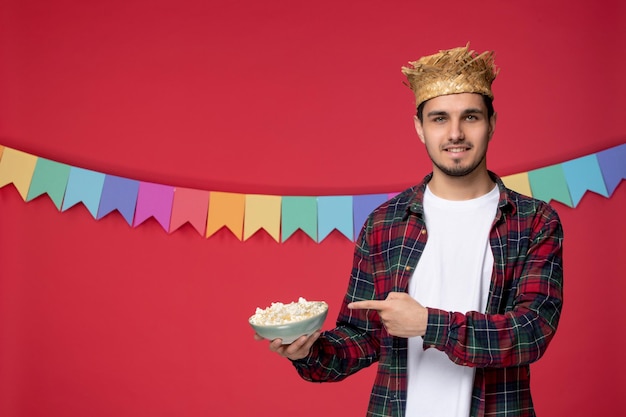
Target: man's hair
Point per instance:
(487, 100)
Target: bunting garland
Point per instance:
(280, 216)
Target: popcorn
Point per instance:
(279, 313)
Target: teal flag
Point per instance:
(49, 177)
(299, 213)
(549, 183)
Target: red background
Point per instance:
(275, 97)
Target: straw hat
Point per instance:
(451, 71)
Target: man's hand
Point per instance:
(298, 349)
(400, 313)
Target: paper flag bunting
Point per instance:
(83, 186)
(190, 206)
(49, 178)
(363, 206)
(549, 183)
(334, 212)
(226, 210)
(518, 183)
(582, 175)
(299, 213)
(613, 165)
(279, 216)
(154, 200)
(262, 212)
(17, 167)
(119, 194)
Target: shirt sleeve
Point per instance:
(353, 344)
(520, 332)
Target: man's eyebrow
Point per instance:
(437, 113)
(472, 111)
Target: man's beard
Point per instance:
(458, 170)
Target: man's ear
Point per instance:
(419, 128)
(492, 124)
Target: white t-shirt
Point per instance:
(453, 274)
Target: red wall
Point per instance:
(276, 97)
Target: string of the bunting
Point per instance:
(280, 216)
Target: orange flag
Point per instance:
(226, 210)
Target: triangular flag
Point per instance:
(190, 206)
(613, 166)
(154, 200)
(334, 212)
(299, 213)
(582, 175)
(119, 194)
(226, 210)
(49, 177)
(83, 186)
(262, 212)
(549, 184)
(17, 167)
(363, 205)
(518, 183)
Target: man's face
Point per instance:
(456, 131)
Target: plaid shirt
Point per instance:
(522, 314)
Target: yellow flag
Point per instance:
(519, 183)
(262, 212)
(17, 167)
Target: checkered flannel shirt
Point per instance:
(523, 310)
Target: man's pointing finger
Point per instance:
(366, 305)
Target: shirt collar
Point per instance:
(416, 203)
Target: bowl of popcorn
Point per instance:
(289, 321)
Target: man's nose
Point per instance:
(456, 131)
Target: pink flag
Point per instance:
(154, 200)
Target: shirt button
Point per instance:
(423, 231)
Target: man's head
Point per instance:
(455, 116)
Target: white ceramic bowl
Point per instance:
(289, 332)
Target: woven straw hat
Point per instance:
(451, 71)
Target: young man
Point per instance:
(456, 285)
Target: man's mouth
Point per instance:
(456, 149)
